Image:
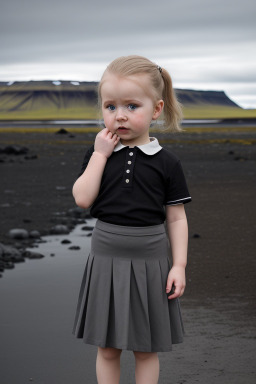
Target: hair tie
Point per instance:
(159, 68)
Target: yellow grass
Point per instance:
(90, 112)
(217, 112)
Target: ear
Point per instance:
(158, 109)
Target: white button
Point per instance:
(131, 153)
(129, 162)
(127, 180)
(128, 171)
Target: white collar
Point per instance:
(149, 148)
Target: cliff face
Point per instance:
(55, 95)
(189, 97)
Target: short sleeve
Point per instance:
(176, 187)
(87, 157)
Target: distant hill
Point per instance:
(76, 100)
(190, 97)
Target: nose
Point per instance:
(120, 114)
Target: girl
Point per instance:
(129, 293)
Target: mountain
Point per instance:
(190, 97)
(73, 99)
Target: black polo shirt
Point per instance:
(137, 183)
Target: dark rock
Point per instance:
(71, 136)
(79, 212)
(27, 220)
(6, 258)
(87, 228)
(14, 150)
(9, 265)
(18, 233)
(7, 251)
(52, 254)
(17, 259)
(41, 241)
(30, 157)
(196, 236)
(34, 234)
(66, 241)
(89, 235)
(62, 131)
(59, 229)
(32, 255)
(76, 212)
(74, 247)
(231, 152)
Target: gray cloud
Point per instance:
(41, 34)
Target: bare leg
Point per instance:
(146, 367)
(108, 365)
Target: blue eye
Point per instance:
(132, 107)
(111, 107)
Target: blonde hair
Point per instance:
(161, 83)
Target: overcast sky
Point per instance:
(205, 44)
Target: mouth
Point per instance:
(122, 129)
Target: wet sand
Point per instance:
(38, 297)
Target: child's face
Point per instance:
(128, 107)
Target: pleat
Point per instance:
(80, 316)
(139, 330)
(158, 308)
(121, 291)
(176, 323)
(99, 298)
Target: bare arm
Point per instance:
(177, 226)
(86, 188)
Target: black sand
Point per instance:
(219, 301)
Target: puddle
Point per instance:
(56, 254)
(78, 239)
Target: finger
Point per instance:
(173, 296)
(103, 132)
(177, 293)
(169, 285)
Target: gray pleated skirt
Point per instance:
(123, 301)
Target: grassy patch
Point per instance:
(201, 112)
(92, 113)
(88, 113)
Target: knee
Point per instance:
(109, 353)
(144, 355)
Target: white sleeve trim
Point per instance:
(179, 201)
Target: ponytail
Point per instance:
(172, 108)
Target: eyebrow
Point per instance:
(130, 100)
